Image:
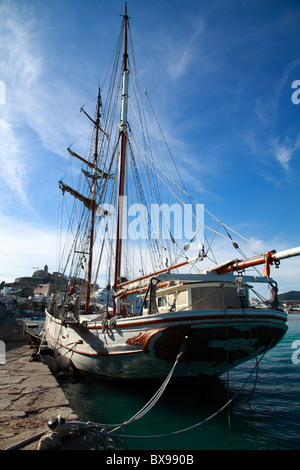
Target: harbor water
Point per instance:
(264, 415)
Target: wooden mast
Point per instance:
(93, 209)
(123, 126)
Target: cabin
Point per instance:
(198, 296)
(219, 293)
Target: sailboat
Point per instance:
(157, 305)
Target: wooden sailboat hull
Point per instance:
(144, 347)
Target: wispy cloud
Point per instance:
(35, 101)
(26, 245)
(12, 168)
(176, 49)
(20, 49)
(182, 53)
(284, 152)
(19, 67)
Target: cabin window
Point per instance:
(216, 297)
(161, 301)
(182, 298)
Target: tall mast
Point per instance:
(123, 127)
(93, 210)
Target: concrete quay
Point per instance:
(29, 393)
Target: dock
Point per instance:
(29, 393)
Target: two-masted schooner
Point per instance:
(162, 302)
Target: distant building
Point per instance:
(42, 283)
(28, 281)
(44, 289)
(42, 273)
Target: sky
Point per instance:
(223, 79)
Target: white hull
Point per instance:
(146, 347)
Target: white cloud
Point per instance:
(12, 168)
(23, 246)
(284, 152)
(281, 150)
(20, 49)
(184, 52)
(176, 50)
(20, 67)
(41, 110)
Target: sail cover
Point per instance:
(85, 200)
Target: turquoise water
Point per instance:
(264, 416)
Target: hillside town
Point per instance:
(30, 295)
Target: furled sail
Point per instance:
(89, 164)
(86, 201)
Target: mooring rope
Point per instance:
(70, 426)
(64, 428)
(100, 430)
(156, 396)
(194, 426)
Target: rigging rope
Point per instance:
(188, 209)
(99, 429)
(182, 189)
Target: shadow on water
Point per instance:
(182, 405)
(270, 420)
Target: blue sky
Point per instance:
(220, 77)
